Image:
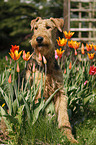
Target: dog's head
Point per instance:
(44, 34)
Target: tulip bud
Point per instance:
(44, 60)
(70, 65)
(82, 49)
(85, 82)
(65, 71)
(9, 80)
(33, 67)
(6, 58)
(40, 57)
(18, 69)
(56, 56)
(75, 52)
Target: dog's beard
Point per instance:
(43, 49)
(41, 46)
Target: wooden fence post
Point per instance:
(66, 14)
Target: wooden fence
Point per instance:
(80, 17)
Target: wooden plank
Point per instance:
(82, 10)
(84, 1)
(79, 34)
(66, 14)
(84, 39)
(93, 13)
(90, 15)
(83, 29)
(83, 19)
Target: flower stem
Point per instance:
(14, 73)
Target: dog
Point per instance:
(43, 41)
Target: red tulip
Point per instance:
(92, 70)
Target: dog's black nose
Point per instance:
(39, 39)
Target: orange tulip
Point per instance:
(61, 42)
(94, 46)
(70, 44)
(89, 47)
(68, 35)
(91, 56)
(75, 45)
(82, 49)
(60, 52)
(26, 56)
(70, 65)
(9, 80)
(14, 52)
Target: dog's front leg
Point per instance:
(61, 110)
(63, 119)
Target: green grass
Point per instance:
(43, 132)
(47, 132)
(86, 131)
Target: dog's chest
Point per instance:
(46, 79)
(46, 83)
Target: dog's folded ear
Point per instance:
(34, 21)
(59, 23)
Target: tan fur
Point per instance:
(47, 28)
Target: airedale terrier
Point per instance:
(43, 42)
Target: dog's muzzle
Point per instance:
(40, 42)
(39, 39)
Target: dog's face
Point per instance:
(44, 34)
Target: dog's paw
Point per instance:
(69, 135)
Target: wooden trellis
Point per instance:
(81, 19)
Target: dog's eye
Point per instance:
(48, 27)
(36, 28)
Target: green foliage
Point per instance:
(79, 93)
(20, 102)
(86, 130)
(15, 19)
(23, 113)
(20, 112)
(15, 23)
(49, 9)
